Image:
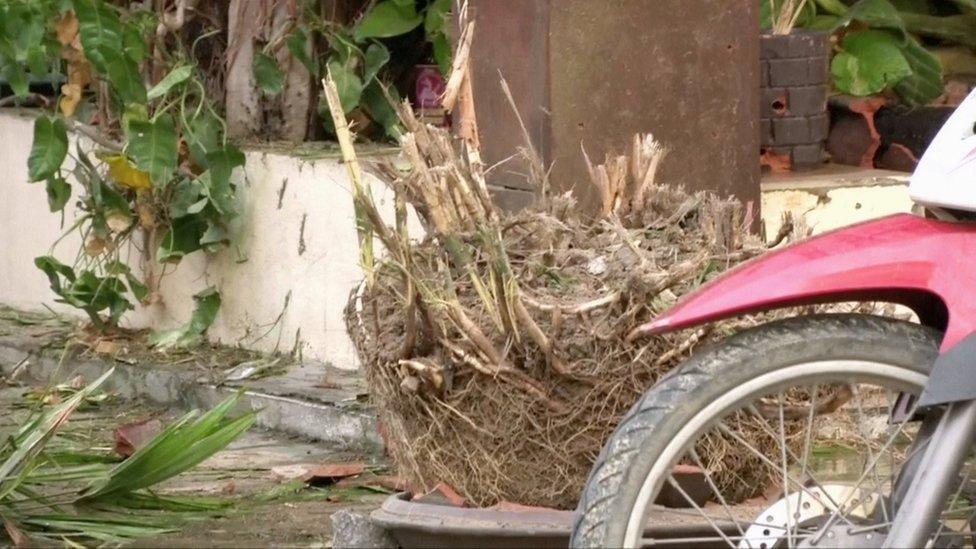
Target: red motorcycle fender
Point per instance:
(925, 264)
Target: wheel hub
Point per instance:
(811, 509)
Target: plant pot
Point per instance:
(793, 99)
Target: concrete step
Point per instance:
(311, 400)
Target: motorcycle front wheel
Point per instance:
(780, 436)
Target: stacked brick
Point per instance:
(794, 121)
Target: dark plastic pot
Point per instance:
(794, 71)
(414, 524)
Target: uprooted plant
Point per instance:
(497, 346)
(51, 492)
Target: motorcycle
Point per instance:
(825, 430)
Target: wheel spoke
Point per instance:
(836, 514)
(674, 484)
(865, 437)
(786, 474)
(718, 493)
(766, 461)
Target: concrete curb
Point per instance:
(350, 425)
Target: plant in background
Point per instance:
(878, 53)
(358, 55)
(878, 42)
(878, 48)
(160, 166)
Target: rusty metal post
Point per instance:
(592, 73)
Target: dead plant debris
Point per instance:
(496, 346)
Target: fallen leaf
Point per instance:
(130, 437)
(106, 347)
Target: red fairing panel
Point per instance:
(903, 258)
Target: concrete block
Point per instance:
(352, 530)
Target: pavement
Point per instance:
(307, 414)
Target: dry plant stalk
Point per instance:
(784, 18)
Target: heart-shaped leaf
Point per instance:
(58, 192)
(869, 62)
(388, 18)
(376, 57)
(152, 145)
(298, 44)
(349, 85)
(175, 77)
(267, 74)
(49, 148)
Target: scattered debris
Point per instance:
(317, 474)
(60, 392)
(254, 369)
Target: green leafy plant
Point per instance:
(878, 49)
(160, 164)
(358, 55)
(52, 496)
(885, 56)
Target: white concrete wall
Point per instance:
(254, 276)
(834, 197)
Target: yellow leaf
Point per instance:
(70, 97)
(125, 173)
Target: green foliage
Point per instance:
(101, 33)
(389, 18)
(358, 57)
(26, 47)
(267, 74)
(869, 61)
(177, 76)
(56, 497)
(182, 445)
(184, 194)
(152, 145)
(878, 50)
(925, 83)
(919, 85)
(208, 303)
(58, 192)
(86, 290)
(49, 148)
